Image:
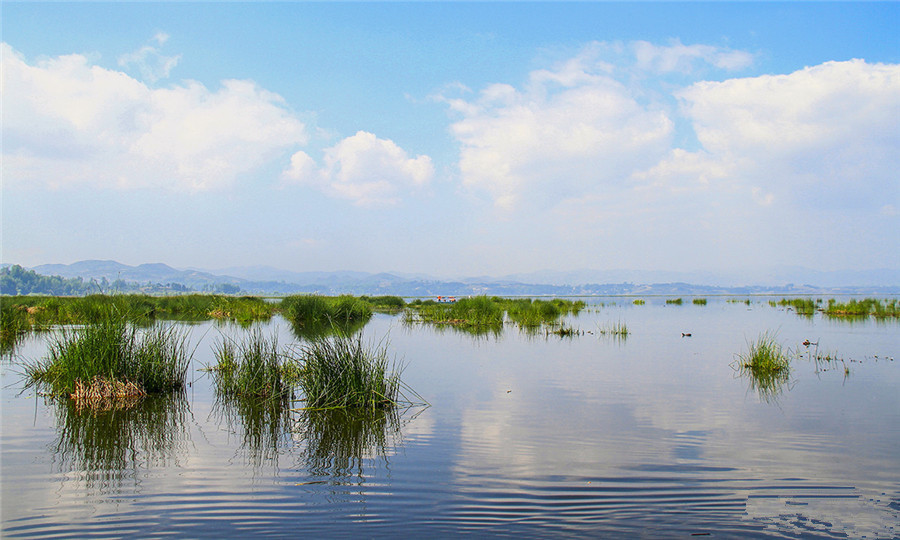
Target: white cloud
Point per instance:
(828, 134)
(364, 169)
(677, 57)
(572, 129)
(70, 123)
(149, 61)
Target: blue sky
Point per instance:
(454, 139)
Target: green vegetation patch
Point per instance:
(111, 357)
(767, 364)
(874, 307)
(341, 372)
(314, 315)
(252, 368)
(802, 306)
(46, 311)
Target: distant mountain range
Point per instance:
(268, 280)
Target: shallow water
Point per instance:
(655, 435)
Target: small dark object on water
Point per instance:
(807, 343)
(688, 334)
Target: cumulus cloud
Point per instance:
(828, 133)
(149, 61)
(363, 169)
(570, 129)
(68, 122)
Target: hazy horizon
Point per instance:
(453, 139)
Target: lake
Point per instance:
(525, 434)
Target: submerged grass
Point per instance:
(111, 357)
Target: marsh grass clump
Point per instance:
(111, 358)
(46, 311)
(674, 301)
(13, 324)
(252, 368)
(478, 311)
(384, 303)
(342, 372)
(563, 330)
(314, 315)
(699, 301)
(532, 313)
(802, 306)
(767, 364)
(639, 302)
(614, 329)
(866, 307)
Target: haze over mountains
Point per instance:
(269, 280)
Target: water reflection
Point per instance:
(104, 447)
(311, 331)
(411, 324)
(339, 442)
(264, 426)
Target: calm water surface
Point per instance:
(528, 435)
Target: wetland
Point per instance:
(581, 417)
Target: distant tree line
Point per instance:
(15, 280)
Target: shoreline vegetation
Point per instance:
(314, 316)
(105, 350)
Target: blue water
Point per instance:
(655, 435)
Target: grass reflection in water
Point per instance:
(338, 442)
(103, 447)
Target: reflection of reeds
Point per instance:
(338, 441)
(106, 446)
(265, 425)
